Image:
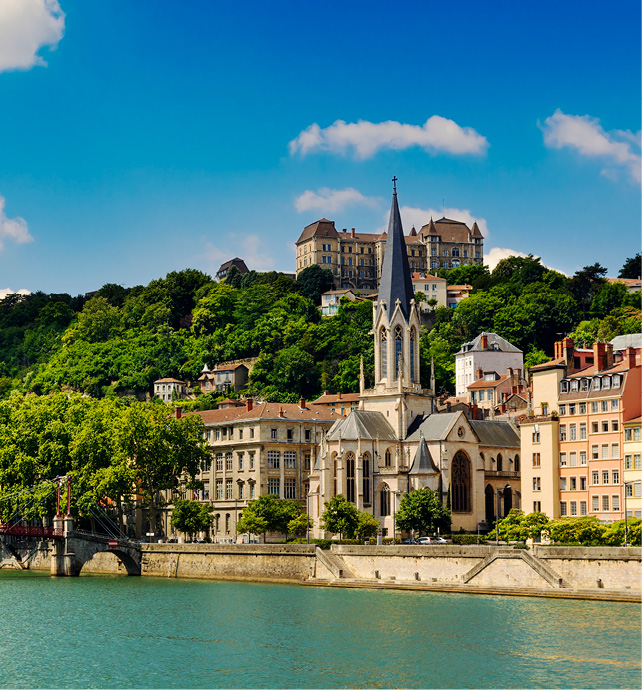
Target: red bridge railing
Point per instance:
(28, 531)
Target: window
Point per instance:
(350, 477)
(636, 461)
(218, 434)
(252, 490)
(605, 504)
(595, 477)
(615, 504)
(615, 404)
(595, 504)
(536, 437)
(606, 383)
(582, 432)
(605, 427)
(575, 384)
(252, 432)
(572, 459)
(628, 488)
(594, 407)
(582, 508)
(615, 450)
(536, 460)
(219, 489)
(562, 410)
(289, 488)
(384, 501)
(596, 384)
(219, 462)
(537, 506)
(387, 458)
(366, 477)
(273, 435)
(274, 486)
(562, 432)
(573, 507)
(564, 387)
(306, 461)
(383, 339)
(562, 459)
(605, 477)
(595, 427)
(628, 462)
(240, 460)
(572, 432)
(562, 483)
(605, 451)
(616, 382)
(563, 508)
(228, 462)
(572, 407)
(605, 405)
(289, 434)
(460, 483)
(582, 483)
(537, 484)
(240, 485)
(307, 435)
(594, 453)
(228, 489)
(628, 434)
(274, 459)
(614, 425)
(251, 461)
(289, 460)
(582, 408)
(615, 477)
(241, 434)
(582, 457)
(584, 386)
(572, 483)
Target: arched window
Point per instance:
(398, 349)
(334, 473)
(460, 483)
(489, 496)
(387, 458)
(517, 466)
(350, 477)
(384, 497)
(383, 344)
(366, 477)
(500, 462)
(508, 500)
(413, 338)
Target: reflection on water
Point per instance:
(145, 632)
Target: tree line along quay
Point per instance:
(399, 454)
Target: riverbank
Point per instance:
(599, 573)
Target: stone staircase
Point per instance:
(333, 563)
(536, 564)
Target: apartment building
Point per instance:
(573, 444)
(356, 258)
(632, 473)
(258, 449)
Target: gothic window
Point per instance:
(384, 496)
(460, 484)
(500, 463)
(366, 477)
(413, 338)
(398, 348)
(383, 339)
(334, 474)
(387, 458)
(507, 495)
(516, 466)
(350, 477)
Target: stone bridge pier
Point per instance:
(71, 553)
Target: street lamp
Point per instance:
(307, 508)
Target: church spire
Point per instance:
(395, 283)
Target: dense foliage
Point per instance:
(421, 512)
(118, 341)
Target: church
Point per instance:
(396, 442)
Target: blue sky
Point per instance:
(144, 137)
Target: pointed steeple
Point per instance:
(396, 283)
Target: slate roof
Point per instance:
(451, 230)
(423, 462)
(493, 339)
(621, 342)
(323, 227)
(395, 283)
(498, 434)
(435, 427)
(363, 424)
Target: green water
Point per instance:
(120, 632)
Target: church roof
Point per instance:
(435, 427)
(395, 281)
(362, 424)
(500, 434)
(423, 462)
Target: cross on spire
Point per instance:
(394, 184)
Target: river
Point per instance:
(124, 632)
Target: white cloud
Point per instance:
(365, 138)
(496, 254)
(12, 228)
(419, 217)
(8, 291)
(329, 200)
(585, 134)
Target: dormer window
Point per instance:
(616, 382)
(606, 383)
(564, 387)
(575, 385)
(584, 385)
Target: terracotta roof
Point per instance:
(328, 398)
(426, 276)
(459, 287)
(592, 370)
(169, 381)
(450, 230)
(323, 227)
(487, 384)
(267, 411)
(635, 420)
(229, 401)
(227, 367)
(629, 282)
(548, 365)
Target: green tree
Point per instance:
(517, 526)
(300, 524)
(191, 517)
(367, 526)
(586, 283)
(271, 513)
(340, 517)
(631, 267)
(588, 531)
(422, 511)
(534, 357)
(98, 321)
(313, 281)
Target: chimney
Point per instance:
(599, 355)
(568, 353)
(629, 357)
(558, 349)
(249, 404)
(480, 374)
(352, 233)
(509, 373)
(484, 341)
(609, 355)
(339, 395)
(302, 403)
(281, 412)
(344, 230)
(178, 412)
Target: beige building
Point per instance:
(169, 389)
(356, 258)
(632, 473)
(224, 378)
(394, 442)
(258, 449)
(433, 287)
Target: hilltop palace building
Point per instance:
(356, 258)
(395, 442)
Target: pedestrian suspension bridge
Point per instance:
(70, 549)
